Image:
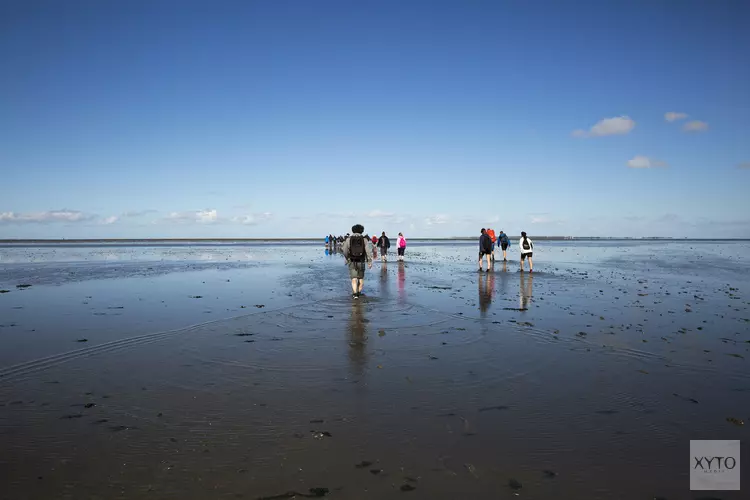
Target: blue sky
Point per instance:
(435, 118)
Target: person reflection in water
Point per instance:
(357, 339)
(401, 281)
(384, 289)
(527, 282)
(486, 291)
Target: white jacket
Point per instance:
(531, 245)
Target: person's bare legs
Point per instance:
(505, 255)
(361, 285)
(489, 262)
(522, 263)
(354, 285)
(480, 262)
(531, 266)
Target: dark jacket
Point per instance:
(503, 239)
(384, 243)
(485, 243)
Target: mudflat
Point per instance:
(247, 371)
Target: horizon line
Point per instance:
(322, 240)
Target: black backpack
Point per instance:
(357, 248)
(526, 244)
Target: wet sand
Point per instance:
(248, 371)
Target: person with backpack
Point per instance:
(485, 249)
(504, 244)
(401, 246)
(527, 250)
(357, 252)
(493, 238)
(384, 243)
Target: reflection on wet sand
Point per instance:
(401, 282)
(357, 338)
(385, 291)
(525, 291)
(486, 290)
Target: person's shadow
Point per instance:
(486, 290)
(527, 282)
(357, 338)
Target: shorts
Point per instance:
(524, 255)
(401, 251)
(504, 246)
(356, 270)
(482, 253)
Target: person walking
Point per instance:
(527, 250)
(356, 253)
(401, 246)
(384, 243)
(504, 244)
(493, 238)
(485, 249)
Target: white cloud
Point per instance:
(673, 116)
(645, 162)
(695, 126)
(52, 216)
(253, 219)
(745, 165)
(207, 216)
(137, 213)
(111, 220)
(437, 219)
(618, 125)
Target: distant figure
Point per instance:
(491, 233)
(384, 244)
(328, 241)
(485, 249)
(356, 252)
(527, 250)
(504, 244)
(401, 246)
(374, 240)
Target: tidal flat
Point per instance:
(248, 371)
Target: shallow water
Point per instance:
(600, 367)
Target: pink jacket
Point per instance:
(401, 242)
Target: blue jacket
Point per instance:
(504, 240)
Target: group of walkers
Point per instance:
(360, 249)
(488, 239)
